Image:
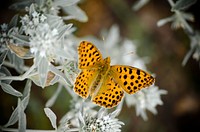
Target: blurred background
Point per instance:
(166, 48)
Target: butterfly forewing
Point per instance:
(131, 79)
(109, 94)
(89, 55)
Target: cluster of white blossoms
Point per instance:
(3, 37)
(30, 22)
(44, 41)
(101, 122)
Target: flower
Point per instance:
(77, 106)
(194, 48)
(44, 41)
(5, 38)
(101, 122)
(146, 99)
(53, 7)
(31, 21)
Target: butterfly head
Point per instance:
(107, 60)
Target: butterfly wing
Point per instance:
(89, 55)
(131, 79)
(84, 81)
(109, 94)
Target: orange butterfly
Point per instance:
(104, 83)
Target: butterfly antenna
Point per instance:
(129, 53)
(104, 45)
(126, 54)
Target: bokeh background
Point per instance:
(165, 47)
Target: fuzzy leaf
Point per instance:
(18, 113)
(35, 79)
(16, 61)
(31, 9)
(13, 118)
(76, 12)
(183, 4)
(2, 57)
(43, 68)
(20, 51)
(64, 29)
(20, 38)
(52, 117)
(25, 101)
(22, 117)
(163, 21)
(65, 2)
(13, 22)
(52, 100)
(27, 88)
(60, 74)
(10, 90)
(5, 72)
(20, 5)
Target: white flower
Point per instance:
(77, 105)
(5, 38)
(54, 7)
(4, 27)
(44, 41)
(101, 122)
(146, 99)
(30, 23)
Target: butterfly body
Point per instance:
(102, 72)
(104, 83)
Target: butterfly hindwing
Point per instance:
(83, 82)
(89, 55)
(131, 79)
(109, 94)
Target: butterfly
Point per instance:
(104, 83)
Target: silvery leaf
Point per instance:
(52, 100)
(65, 2)
(76, 12)
(2, 57)
(25, 101)
(13, 22)
(10, 90)
(64, 29)
(20, 5)
(43, 68)
(19, 37)
(5, 72)
(31, 9)
(187, 56)
(13, 118)
(162, 22)
(139, 4)
(22, 117)
(52, 117)
(183, 4)
(60, 74)
(16, 61)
